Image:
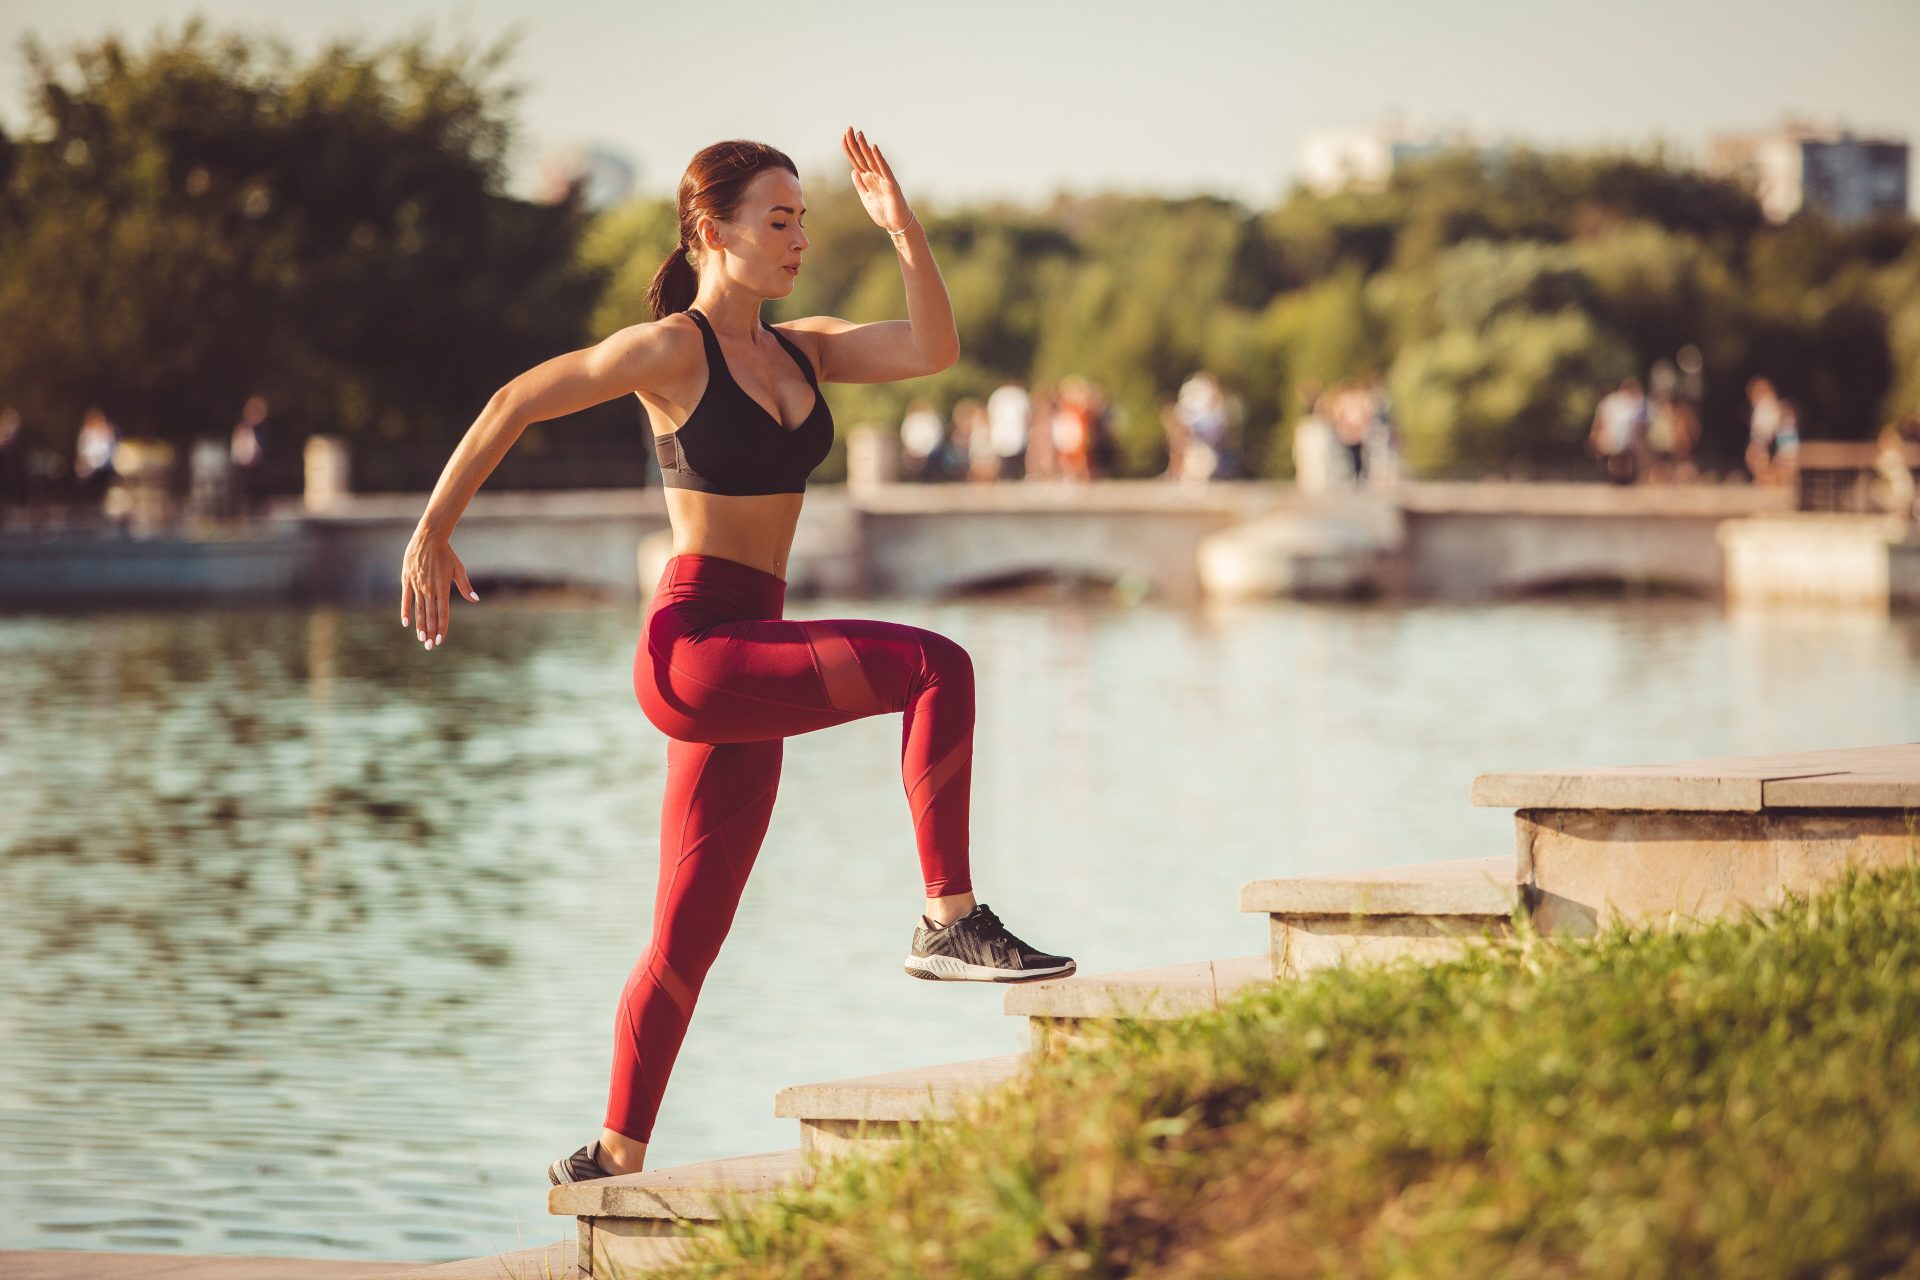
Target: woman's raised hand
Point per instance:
(873, 179)
(430, 566)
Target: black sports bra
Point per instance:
(730, 444)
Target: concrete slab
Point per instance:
(1463, 887)
(1586, 868)
(557, 1261)
(918, 1093)
(697, 1192)
(92, 1264)
(1173, 991)
(1850, 777)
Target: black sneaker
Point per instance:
(978, 948)
(582, 1166)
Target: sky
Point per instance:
(1018, 99)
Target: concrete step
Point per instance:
(1057, 1011)
(870, 1113)
(1690, 841)
(557, 1261)
(1426, 912)
(640, 1220)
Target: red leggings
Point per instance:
(726, 679)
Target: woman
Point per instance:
(739, 422)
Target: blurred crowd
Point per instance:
(108, 476)
(1346, 435)
(1065, 431)
(1051, 431)
(1647, 432)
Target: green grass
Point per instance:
(1733, 1099)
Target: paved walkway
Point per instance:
(549, 1262)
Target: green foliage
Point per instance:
(1475, 402)
(207, 217)
(1726, 1099)
(190, 222)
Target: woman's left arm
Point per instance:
(889, 350)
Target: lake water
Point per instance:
(313, 938)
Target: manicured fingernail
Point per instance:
(420, 633)
(438, 639)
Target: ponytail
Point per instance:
(674, 285)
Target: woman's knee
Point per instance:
(947, 658)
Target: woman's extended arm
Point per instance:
(635, 357)
(889, 350)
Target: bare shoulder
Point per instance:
(808, 333)
(673, 339)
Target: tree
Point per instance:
(189, 223)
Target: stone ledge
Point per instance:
(1884, 777)
(690, 1191)
(918, 1093)
(1463, 887)
(557, 1261)
(1173, 991)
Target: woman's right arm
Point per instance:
(639, 356)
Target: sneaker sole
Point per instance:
(948, 969)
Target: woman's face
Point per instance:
(764, 243)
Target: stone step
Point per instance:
(1689, 841)
(640, 1220)
(557, 1261)
(869, 1113)
(1426, 912)
(1058, 1010)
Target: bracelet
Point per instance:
(902, 231)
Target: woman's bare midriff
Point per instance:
(755, 529)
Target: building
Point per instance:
(1802, 165)
(1332, 159)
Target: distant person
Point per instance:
(1204, 408)
(1763, 430)
(1350, 408)
(973, 457)
(1618, 432)
(247, 457)
(1672, 430)
(1008, 414)
(1786, 444)
(1319, 460)
(921, 434)
(1693, 383)
(93, 451)
(1073, 430)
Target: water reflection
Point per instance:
(314, 938)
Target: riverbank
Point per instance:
(1179, 543)
(1729, 1100)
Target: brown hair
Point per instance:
(712, 186)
